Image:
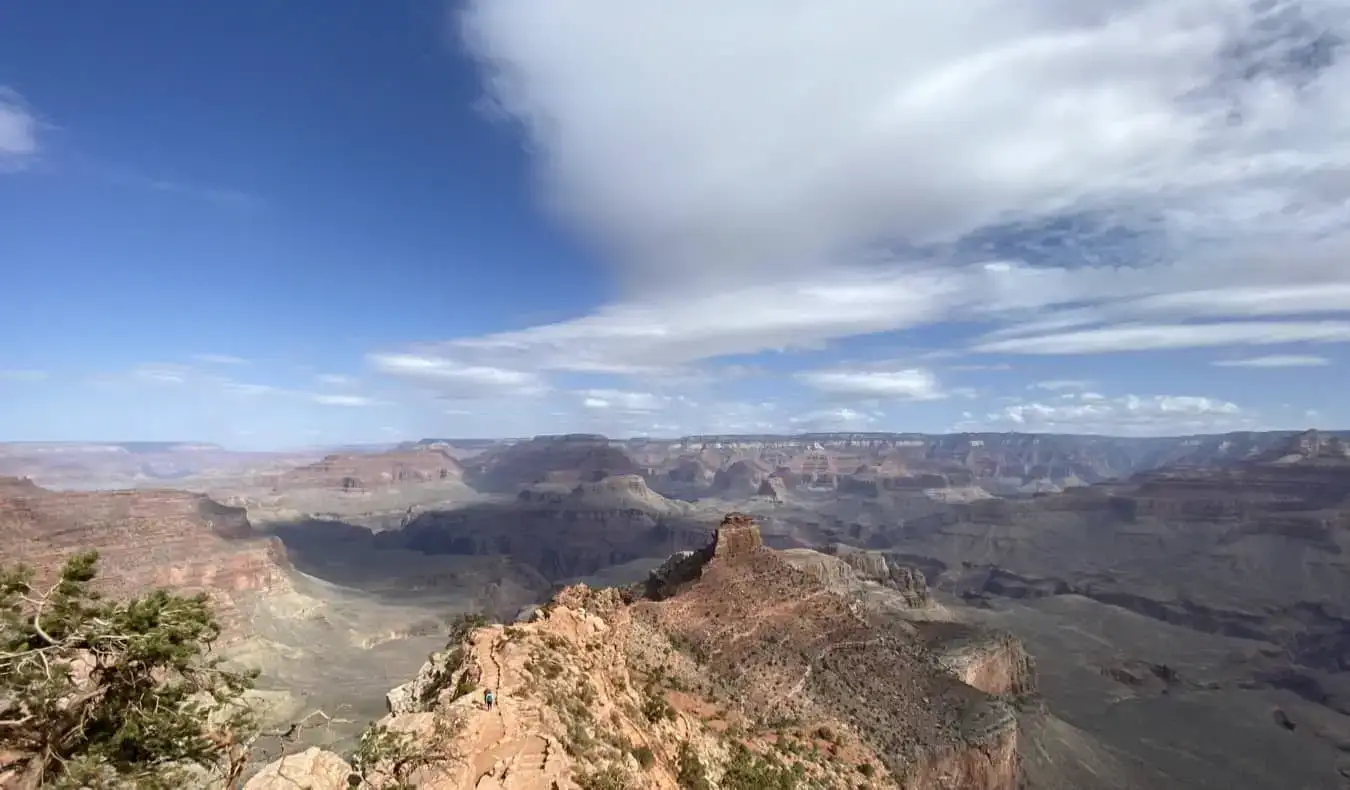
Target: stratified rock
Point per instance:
(563, 460)
(737, 536)
(365, 471)
(145, 538)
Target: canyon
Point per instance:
(1112, 612)
(729, 663)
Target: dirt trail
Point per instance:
(505, 747)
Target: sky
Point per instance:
(273, 225)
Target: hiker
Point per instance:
(488, 698)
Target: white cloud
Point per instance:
(743, 167)
(452, 379)
(621, 400)
(325, 399)
(973, 368)
(1055, 385)
(161, 373)
(840, 419)
(23, 375)
(18, 129)
(1275, 361)
(866, 120)
(1129, 415)
(242, 388)
(220, 359)
(910, 383)
(1152, 337)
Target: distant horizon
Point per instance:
(686, 437)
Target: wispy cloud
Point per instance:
(220, 359)
(907, 383)
(327, 399)
(622, 400)
(18, 130)
(1157, 337)
(161, 373)
(1275, 361)
(1155, 415)
(132, 178)
(838, 419)
(452, 379)
(1055, 385)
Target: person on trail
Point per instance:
(489, 698)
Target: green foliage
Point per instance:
(453, 661)
(104, 693)
(463, 624)
(867, 769)
(611, 777)
(749, 771)
(644, 756)
(690, 772)
(655, 707)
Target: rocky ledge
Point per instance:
(730, 668)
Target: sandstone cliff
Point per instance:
(146, 539)
(729, 669)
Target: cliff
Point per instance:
(743, 672)
(146, 539)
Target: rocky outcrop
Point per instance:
(737, 537)
(562, 460)
(604, 686)
(145, 539)
(741, 479)
(994, 662)
(874, 566)
(312, 769)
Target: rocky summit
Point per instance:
(730, 667)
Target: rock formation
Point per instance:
(564, 460)
(746, 669)
(146, 539)
(363, 471)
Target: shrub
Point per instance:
(611, 777)
(690, 772)
(644, 756)
(97, 692)
(655, 707)
(749, 771)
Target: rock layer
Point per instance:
(146, 539)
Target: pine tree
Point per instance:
(103, 693)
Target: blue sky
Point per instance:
(281, 224)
